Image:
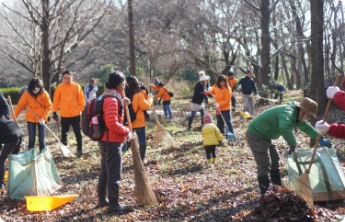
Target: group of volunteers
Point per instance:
(224, 91)
(68, 102)
(120, 92)
(278, 121)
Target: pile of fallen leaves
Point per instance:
(282, 204)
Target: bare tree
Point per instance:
(56, 28)
(317, 77)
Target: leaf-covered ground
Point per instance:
(187, 188)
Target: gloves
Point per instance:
(217, 105)
(324, 142)
(209, 89)
(127, 100)
(292, 149)
(55, 117)
(150, 95)
(235, 93)
(321, 127)
(206, 93)
(41, 121)
(331, 91)
(129, 136)
(257, 96)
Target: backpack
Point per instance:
(132, 115)
(170, 93)
(93, 125)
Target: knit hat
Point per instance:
(207, 118)
(156, 82)
(230, 73)
(309, 106)
(202, 76)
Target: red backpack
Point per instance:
(93, 125)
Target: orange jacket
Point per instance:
(41, 106)
(143, 91)
(139, 104)
(162, 92)
(232, 83)
(223, 97)
(69, 99)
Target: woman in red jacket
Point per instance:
(335, 130)
(112, 142)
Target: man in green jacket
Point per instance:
(273, 123)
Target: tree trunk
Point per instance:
(288, 81)
(265, 44)
(300, 47)
(45, 59)
(131, 38)
(317, 91)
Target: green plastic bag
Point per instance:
(32, 174)
(326, 174)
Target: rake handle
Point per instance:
(128, 117)
(44, 124)
(154, 112)
(323, 120)
(220, 112)
(11, 107)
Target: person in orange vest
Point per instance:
(223, 94)
(232, 81)
(40, 105)
(164, 94)
(139, 105)
(70, 101)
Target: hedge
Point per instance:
(14, 92)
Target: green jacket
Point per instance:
(280, 121)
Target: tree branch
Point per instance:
(273, 6)
(251, 5)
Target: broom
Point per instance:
(65, 150)
(160, 135)
(302, 183)
(143, 189)
(11, 108)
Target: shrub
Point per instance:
(13, 92)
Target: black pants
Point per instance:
(233, 101)
(280, 95)
(111, 166)
(11, 147)
(210, 151)
(75, 122)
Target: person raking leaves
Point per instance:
(273, 123)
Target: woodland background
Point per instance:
(296, 43)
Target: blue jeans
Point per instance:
(167, 110)
(32, 135)
(141, 135)
(227, 117)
